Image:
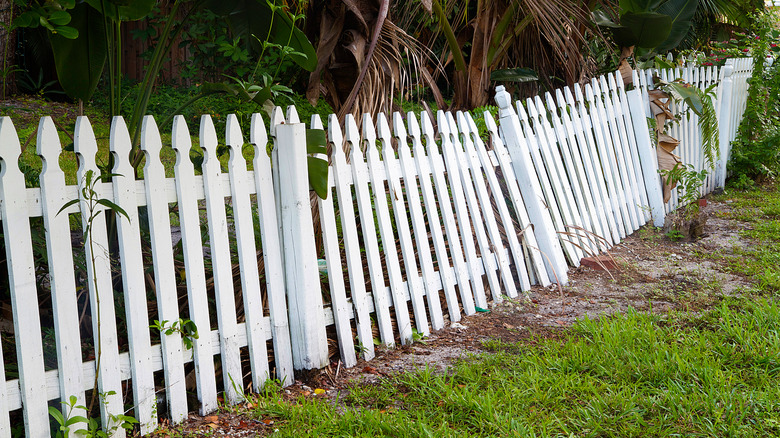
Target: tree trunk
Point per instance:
(7, 48)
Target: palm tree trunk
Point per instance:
(7, 48)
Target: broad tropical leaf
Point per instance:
(79, 62)
(682, 13)
(124, 10)
(514, 75)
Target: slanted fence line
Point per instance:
(420, 227)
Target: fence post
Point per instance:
(647, 157)
(530, 188)
(307, 325)
(725, 106)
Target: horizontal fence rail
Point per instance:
(427, 219)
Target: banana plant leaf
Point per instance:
(79, 62)
(639, 6)
(646, 29)
(681, 13)
(318, 167)
(124, 10)
(514, 75)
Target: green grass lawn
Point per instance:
(712, 373)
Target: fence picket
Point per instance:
(219, 246)
(493, 242)
(596, 122)
(425, 169)
(338, 296)
(398, 289)
(414, 282)
(21, 274)
(101, 294)
(133, 285)
(461, 169)
(463, 230)
(374, 260)
(462, 268)
(357, 283)
(533, 256)
(59, 250)
(192, 247)
(247, 254)
(272, 253)
(423, 244)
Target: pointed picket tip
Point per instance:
(150, 137)
(120, 145)
(208, 135)
(316, 121)
(383, 128)
(521, 111)
(444, 126)
(611, 82)
(277, 118)
(180, 135)
(352, 134)
(84, 143)
(490, 122)
(539, 103)
(257, 133)
(292, 115)
(463, 124)
(48, 143)
(369, 132)
(635, 77)
(334, 134)
(532, 112)
(399, 128)
(427, 126)
(233, 138)
(578, 93)
(551, 106)
(453, 126)
(589, 94)
(472, 123)
(559, 99)
(10, 149)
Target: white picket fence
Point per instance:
(423, 223)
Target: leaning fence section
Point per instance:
(427, 219)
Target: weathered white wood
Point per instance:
(596, 124)
(726, 100)
(534, 259)
(338, 295)
(466, 205)
(220, 263)
(617, 143)
(550, 179)
(647, 158)
(580, 120)
(192, 248)
(370, 242)
(247, 253)
(164, 271)
(5, 419)
(397, 287)
(307, 329)
(495, 244)
(530, 187)
(397, 199)
(479, 217)
(423, 248)
(357, 283)
(61, 271)
(101, 293)
(133, 282)
(462, 232)
(627, 124)
(272, 253)
(584, 169)
(21, 279)
(424, 170)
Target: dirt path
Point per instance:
(654, 273)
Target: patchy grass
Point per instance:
(633, 374)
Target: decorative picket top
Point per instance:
(443, 218)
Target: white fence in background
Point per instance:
(425, 221)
